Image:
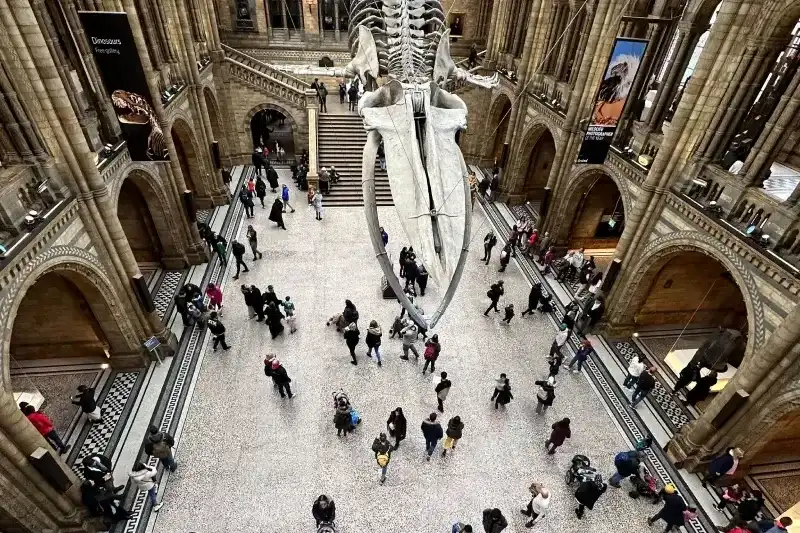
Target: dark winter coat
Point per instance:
(629, 465)
(270, 296)
(400, 425)
(504, 396)
(749, 508)
(646, 381)
(272, 177)
(672, 512)
(373, 338)
(279, 375)
(454, 428)
(328, 514)
(560, 433)
(238, 249)
(432, 430)
(261, 188)
(496, 291)
(86, 401)
(701, 389)
(258, 160)
(588, 493)
(493, 526)
(382, 447)
(490, 240)
(350, 315)
(276, 212)
(534, 296)
(351, 337)
(721, 464)
(257, 299)
(246, 198)
(549, 390)
(216, 327)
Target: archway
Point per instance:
(272, 128)
(188, 156)
(215, 117)
(499, 117)
(145, 221)
(539, 164)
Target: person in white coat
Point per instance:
(316, 201)
(143, 477)
(539, 504)
(635, 369)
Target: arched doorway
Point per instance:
(599, 216)
(214, 116)
(272, 128)
(499, 117)
(539, 164)
(138, 224)
(188, 156)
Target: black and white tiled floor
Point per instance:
(163, 298)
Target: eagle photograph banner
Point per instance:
(626, 56)
(114, 50)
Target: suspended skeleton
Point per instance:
(417, 120)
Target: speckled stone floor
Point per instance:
(252, 462)
(58, 390)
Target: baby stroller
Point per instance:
(341, 402)
(645, 488)
(326, 527)
(580, 470)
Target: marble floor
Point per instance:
(252, 462)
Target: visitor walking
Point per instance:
(539, 504)
(560, 432)
(248, 301)
(217, 329)
(587, 494)
(258, 160)
(672, 511)
(442, 390)
(627, 464)
(258, 302)
(373, 340)
(352, 94)
(282, 379)
(489, 242)
(644, 385)
(635, 369)
(252, 239)
(220, 245)
(504, 396)
(702, 388)
(143, 478)
(494, 521)
(723, 465)
(272, 177)
(261, 191)
(274, 317)
(432, 431)
(509, 314)
(238, 251)
(505, 255)
(581, 355)
(85, 399)
(688, 374)
(342, 92)
(455, 428)
(397, 425)
(214, 298)
(383, 454)
(496, 290)
(159, 445)
(351, 338)
(288, 308)
(276, 213)
(246, 197)
(323, 510)
(494, 186)
(409, 335)
(285, 198)
(499, 383)
(559, 340)
(322, 93)
(45, 427)
(533, 298)
(545, 395)
(432, 350)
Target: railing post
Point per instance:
(312, 105)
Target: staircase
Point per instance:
(341, 141)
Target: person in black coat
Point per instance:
(494, 521)
(258, 160)
(402, 261)
(422, 280)
(281, 379)
(274, 317)
(644, 385)
(351, 337)
(411, 271)
(85, 399)
(258, 302)
(261, 191)
(504, 395)
(494, 293)
(719, 466)
(397, 426)
(270, 297)
(671, 513)
(276, 213)
(689, 374)
(533, 298)
(238, 250)
(587, 494)
(217, 329)
(323, 510)
(181, 306)
(701, 389)
(489, 242)
(246, 198)
(272, 177)
(350, 313)
(433, 433)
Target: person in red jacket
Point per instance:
(44, 425)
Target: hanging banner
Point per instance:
(111, 39)
(626, 56)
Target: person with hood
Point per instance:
(494, 293)
(238, 251)
(581, 355)
(627, 464)
(545, 395)
(342, 419)
(373, 340)
(672, 511)
(159, 445)
(635, 369)
(85, 399)
(494, 521)
(276, 213)
(214, 298)
(261, 191)
(246, 197)
(442, 390)
(257, 300)
(349, 313)
(644, 385)
(285, 198)
(323, 510)
(252, 239)
(504, 397)
(561, 432)
(432, 431)
(489, 242)
(272, 177)
(274, 317)
(499, 383)
(587, 494)
(45, 427)
(539, 504)
(432, 350)
(217, 329)
(383, 453)
(282, 379)
(723, 465)
(397, 425)
(351, 338)
(702, 388)
(409, 335)
(316, 201)
(143, 478)
(533, 299)
(455, 428)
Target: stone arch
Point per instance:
(781, 17)
(274, 107)
(582, 178)
(633, 290)
(189, 156)
(217, 125)
(497, 121)
(85, 271)
(524, 162)
(165, 218)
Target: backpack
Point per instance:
(383, 459)
(160, 450)
(621, 458)
(430, 352)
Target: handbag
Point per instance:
(542, 395)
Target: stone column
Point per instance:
(216, 44)
(520, 9)
(285, 17)
(336, 19)
(584, 34)
(495, 14)
(759, 371)
(566, 46)
(687, 40)
(312, 106)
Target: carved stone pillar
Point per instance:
(312, 107)
(687, 40)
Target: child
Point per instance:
(195, 316)
(214, 298)
(143, 476)
(288, 307)
(398, 326)
(509, 314)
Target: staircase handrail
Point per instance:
(263, 68)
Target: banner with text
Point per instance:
(115, 53)
(626, 55)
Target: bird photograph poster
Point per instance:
(626, 56)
